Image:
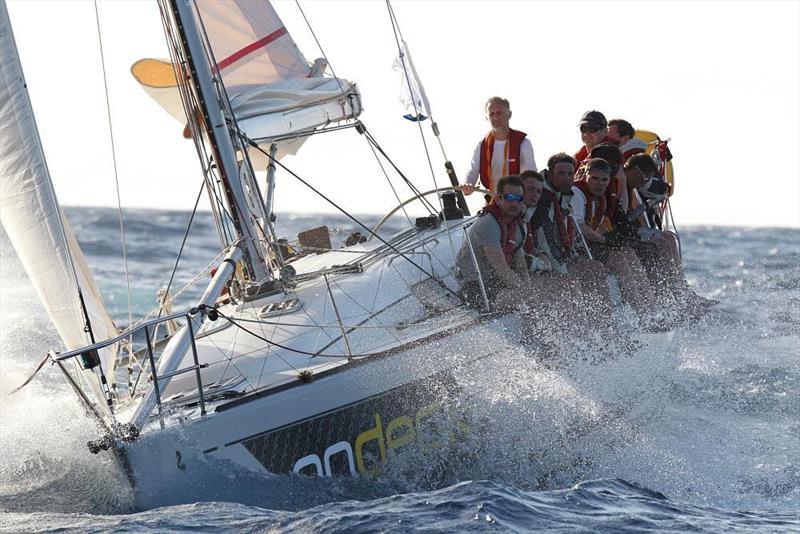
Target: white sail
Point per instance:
(273, 89)
(35, 224)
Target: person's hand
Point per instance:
(467, 189)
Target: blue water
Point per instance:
(699, 430)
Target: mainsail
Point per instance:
(36, 225)
(274, 92)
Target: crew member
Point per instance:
(611, 154)
(533, 183)
(622, 133)
(575, 289)
(553, 231)
(502, 152)
(496, 238)
(589, 212)
(594, 131)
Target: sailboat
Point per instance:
(297, 358)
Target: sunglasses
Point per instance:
(587, 128)
(508, 197)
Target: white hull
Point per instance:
(354, 414)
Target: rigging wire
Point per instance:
(398, 38)
(183, 244)
(114, 159)
(314, 35)
(389, 181)
(431, 210)
(434, 126)
(425, 202)
(280, 346)
(347, 214)
(189, 103)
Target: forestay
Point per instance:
(35, 224)
(274, 91)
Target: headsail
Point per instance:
(35, 224)
(274, 91)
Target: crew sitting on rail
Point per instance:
(552, 230)
(572, 290)
(622, 134)
(502, 152)
(553, 233)
(588, 206)
(494, 245)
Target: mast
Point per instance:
(246, 207)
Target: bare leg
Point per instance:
(633, 282)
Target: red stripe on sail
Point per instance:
(252, 47)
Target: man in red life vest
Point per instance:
(622, 133)
(611, 205)
(502, 152)
(553, 232)
(588, 206)
(496, 239)
(594, 131)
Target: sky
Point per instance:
(720, 79)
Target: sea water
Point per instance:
(698, 429)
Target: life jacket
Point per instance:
(529, 246)
(566, 227)
(512, 155)
(508, 232)
(594, 217)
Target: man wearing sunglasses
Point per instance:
(594, 130)
(502, 152)
(496, 238)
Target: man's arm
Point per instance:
(474, 170)
(497, 260)
(527, 161)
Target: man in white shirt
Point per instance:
(502, 152)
